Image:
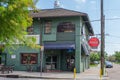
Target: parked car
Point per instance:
(108, 64)
(96, 62)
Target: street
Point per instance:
(114, 73)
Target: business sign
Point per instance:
(93, 42)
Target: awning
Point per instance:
(85, 49)
(59, 46)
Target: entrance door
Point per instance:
(51, 62)
(70, 61)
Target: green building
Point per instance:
(64, 35)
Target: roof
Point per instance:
(56, 12)
(60, 12)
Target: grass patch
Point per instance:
(93, 65)
(117, 62)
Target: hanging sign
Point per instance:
(93, 42)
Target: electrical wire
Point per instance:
(114, 36)
(105, 19)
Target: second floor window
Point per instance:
(48, 25)
(30, 30)
(66, 27)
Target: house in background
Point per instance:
(64, 34)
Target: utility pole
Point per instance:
(102, 39)
(41, 49)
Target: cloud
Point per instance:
(80, 1)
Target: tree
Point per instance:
(111, 58)
(94, 57)
(117, 56)
(14, 20)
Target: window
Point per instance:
(66, 27)
(30, 30)
(48, 25)
(29, 58)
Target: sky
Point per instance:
(92, 8)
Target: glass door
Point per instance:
(70, 60)
(51, 62)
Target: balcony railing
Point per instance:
(37, 37)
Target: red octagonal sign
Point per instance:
(93, 42)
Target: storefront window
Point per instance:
(29, 58)
(66, 27)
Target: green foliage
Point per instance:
(31, 42)
(117, 56)
(93, 65)
(14, 20)
(111, 58)
(94, 57)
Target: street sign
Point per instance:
(93, 42)
(42, 48)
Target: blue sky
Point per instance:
(92, 8)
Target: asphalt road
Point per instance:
(114, 73)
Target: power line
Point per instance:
(114, 36)
(108, 35)
(112, 43)
(105, 19)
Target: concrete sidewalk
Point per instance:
(90, 74)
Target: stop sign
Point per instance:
(93, 42)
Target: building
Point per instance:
(64, 35)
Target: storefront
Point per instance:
(59, 57)
(59, 60)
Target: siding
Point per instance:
(66, 36)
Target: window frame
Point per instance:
(65, 27)
(32, 61)
(30, 30)
(48, 26)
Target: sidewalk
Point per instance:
(90, 74)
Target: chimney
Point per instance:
(56, 4)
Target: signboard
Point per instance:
(42, 48)
(93, 42)
(13, 56)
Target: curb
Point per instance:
(18, 76)
(60, 78)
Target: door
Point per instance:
(70, 61)
(51, 62)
